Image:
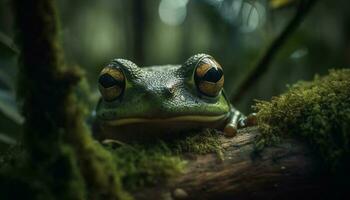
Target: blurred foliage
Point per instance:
(235, 32)
(280, 3)
(10, 118)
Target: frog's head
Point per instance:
(161, 99)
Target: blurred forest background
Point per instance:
(235, 32)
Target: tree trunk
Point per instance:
(63, 157)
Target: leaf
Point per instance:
(6, 80)
(4, 138)
(8, 62)
(9, 108)
(7, 46)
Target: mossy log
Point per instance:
(288, 170)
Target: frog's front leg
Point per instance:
(237, 121)
(230, 129)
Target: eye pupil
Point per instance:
(107, 81)
(213, 75)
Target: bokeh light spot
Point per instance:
(250, 17)
(173, 12)
(299, 53)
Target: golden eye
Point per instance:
(111, 83)
(209, 77)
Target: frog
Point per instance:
(163, 100)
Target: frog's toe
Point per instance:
(242, 123)
(230, 130)
(250, 120)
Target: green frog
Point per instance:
(157, 101)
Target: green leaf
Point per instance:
(4, 138)
(9, 108)
(6, 80)
(7, 46)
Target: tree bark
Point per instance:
(288, 170)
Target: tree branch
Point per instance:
(286, 171)
(263, 64)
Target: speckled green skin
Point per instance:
(161, 92)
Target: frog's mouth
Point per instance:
(186, 118)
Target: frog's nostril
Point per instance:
(171, 88)
(169, 91)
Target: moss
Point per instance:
(136, 165)
(205, 142)
(148, 164)
(317, 112)
(95, 163)
(66, 176)
(139, 165)
(62, 158)
(58, 179)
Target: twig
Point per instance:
(262, 66)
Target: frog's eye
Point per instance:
(111, 83)
(209, 77)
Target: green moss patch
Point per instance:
(136, 165)
(20, 179)
(316, 111)
(139, 166)
(149, 164)
(205, 142)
